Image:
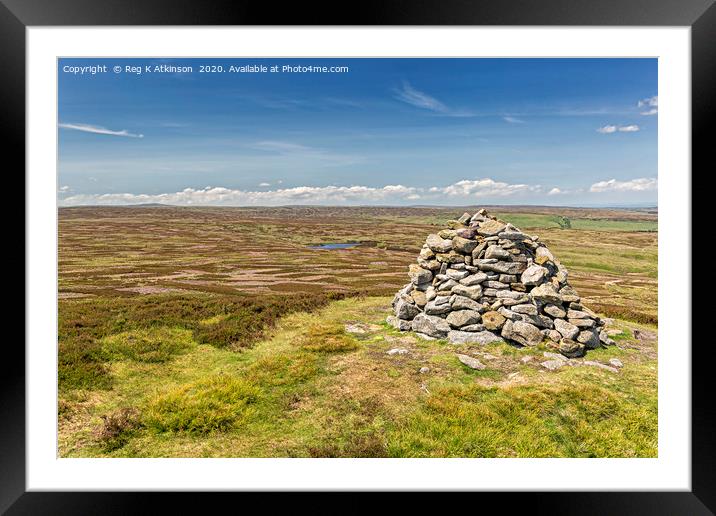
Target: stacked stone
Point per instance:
(481, 280)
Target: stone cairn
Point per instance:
(482, 280)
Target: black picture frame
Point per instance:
(17, 15)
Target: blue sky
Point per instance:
(387, 131)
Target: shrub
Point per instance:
(216, 403)
(117, 428)
(147, 345)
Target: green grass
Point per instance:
(578, 417)
(309, 389)
(95, 332)
(214, 403)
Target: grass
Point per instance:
(214, 403)
(95, 332)
(156, 344)
(288, 396)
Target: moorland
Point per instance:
(222, 332)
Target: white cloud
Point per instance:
(264, 184)
(641, 184)
(87, 128)
(555, 191)
(64, 188)
(650, 102)
(513, 120)
(608, 129)
(487, 187)
(422, 100)
(331, 195)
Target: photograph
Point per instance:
(360, 257)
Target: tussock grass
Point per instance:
(327, 339)
(215, 403)
(147, 345)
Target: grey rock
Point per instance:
(469, 337)
(509, 314)
(399, 324)
(447, 284)
(507, 278)
(525, 333)
(434, 309)
(490, 227)
(568, 330)
(554, 311)
(456, 274)
(418, 274)
(554, 356)
(553, 365)
(464, 218)
(431, 265)
(544, 252)
(473, 279)
(397, 351)
(615, 362)
(464, 245)
(570, 348)
(464, 303)
(471, 362)
(546, 294)
(495, 251)
(589, 338)
(534, 275)
(473, 327)
(441, 300)
(438, 245)
(424, 336)
(431, 325)
(513, 235)
(510, 294)
(474, 292)
(600, 366)
(582, 323)
(458, 318)
(405, 310)
(495, 284)
(577, 314)
(500, 267)
(424, 370)
(525, 309)
(552, 335)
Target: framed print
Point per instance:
(434, 250)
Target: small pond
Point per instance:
(346, 245)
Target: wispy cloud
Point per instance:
(96, 129)
(651, 104)
(298, 150)
(513, 120)
(609, 129)
(641, 184)
(422, 100)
